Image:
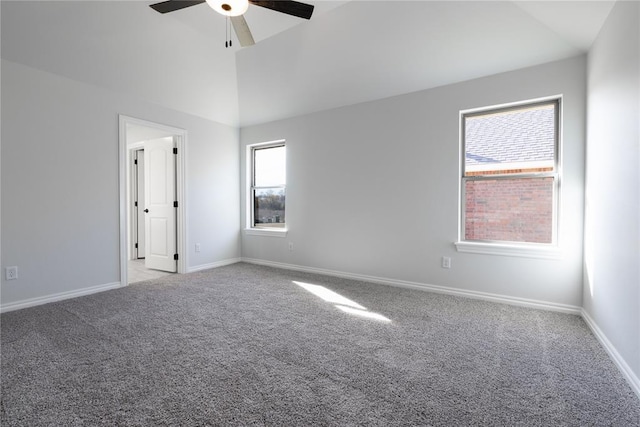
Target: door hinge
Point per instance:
(175, 150)
(136, 246)
(135, 162)
(175, 256)
(175, 204)
(135, 203)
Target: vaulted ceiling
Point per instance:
(349, 52)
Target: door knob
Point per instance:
(146, 210)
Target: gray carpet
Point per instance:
(245, 345)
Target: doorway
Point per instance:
(152, 226)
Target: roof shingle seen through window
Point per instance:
(522, 135)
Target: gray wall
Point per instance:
(612, 231)
(60, 203)
(373, 188)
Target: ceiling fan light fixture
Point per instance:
(229, 7)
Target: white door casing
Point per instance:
(160, 195)
(126, 142)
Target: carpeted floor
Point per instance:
(246, 345)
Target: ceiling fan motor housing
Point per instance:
(229, 7)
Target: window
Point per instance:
(510, 179)
(268, 186)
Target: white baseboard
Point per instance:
(213, 265)
(523, 302)
(31, 302)
(624, 368)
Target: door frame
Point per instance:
(124, 188)
(132, 186)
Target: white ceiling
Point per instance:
(349, 52)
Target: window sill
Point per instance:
(506, 249)
(265, 232)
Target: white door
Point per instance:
(139, 204)
(160, 195)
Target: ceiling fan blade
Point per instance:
(242, 31)
(290, 7)
(173, 5)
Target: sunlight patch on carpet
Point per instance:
(343, 303)
(363, 313)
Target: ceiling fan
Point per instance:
(234, 10)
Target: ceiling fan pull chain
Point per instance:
(226, 32)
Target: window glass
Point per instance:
(510, 181)
(511, 141)
(516, 210)
(268, 189)
(270, 166)
(268, 207)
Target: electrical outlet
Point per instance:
(11, 273)
(446, 262)
(291, 246)
(197, 247)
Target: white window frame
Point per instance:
(251, 228)
(512, 248)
